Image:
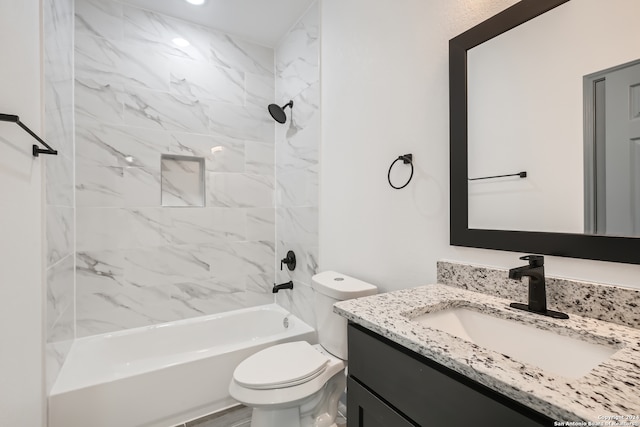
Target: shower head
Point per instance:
(277, 112)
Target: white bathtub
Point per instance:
(161, 375)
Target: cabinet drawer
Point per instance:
(364, 409)
(426, 392)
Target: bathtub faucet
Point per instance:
(288, 285)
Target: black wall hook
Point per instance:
(407, 159)
(35, 150)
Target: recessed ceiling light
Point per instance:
(196, 2)
(179, 41)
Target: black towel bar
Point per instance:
(35, 150)
(520, 174)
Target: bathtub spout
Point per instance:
(288, 285)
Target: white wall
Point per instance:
(21, 269)
(384, 74)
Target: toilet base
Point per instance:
(269, 417)
(285, 417)
(318, 410)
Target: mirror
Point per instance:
(525, 96)
(513, 213)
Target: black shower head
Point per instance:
(277, 112)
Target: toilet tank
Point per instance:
(330, 287)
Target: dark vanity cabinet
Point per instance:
(391, 386)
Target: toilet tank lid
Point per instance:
(340, 286)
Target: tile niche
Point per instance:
(182, 181)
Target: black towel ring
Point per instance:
(406, 159)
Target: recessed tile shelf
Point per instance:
(182, 180)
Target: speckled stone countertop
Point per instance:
(608, 390)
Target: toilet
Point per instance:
(297, 384)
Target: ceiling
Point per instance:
(261, 21)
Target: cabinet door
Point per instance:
(366, 410)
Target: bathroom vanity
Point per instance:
(406, 368)
(392, 386)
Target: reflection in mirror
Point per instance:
(526, 103)
(612, 152)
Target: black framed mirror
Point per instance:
(596, 247)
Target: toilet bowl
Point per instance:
(290, 384)
(298, 384)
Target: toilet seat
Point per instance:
(287, 394)
(281, 366)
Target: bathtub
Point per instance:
(162, 375)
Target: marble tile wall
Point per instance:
(297, 143)
(58, 132)
(139, 95)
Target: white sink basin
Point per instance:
(557, 354)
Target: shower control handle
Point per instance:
(290, 260)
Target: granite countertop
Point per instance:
(609, 390)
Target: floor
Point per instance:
(240, 416)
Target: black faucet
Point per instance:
(287, 285)
(537, 289)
